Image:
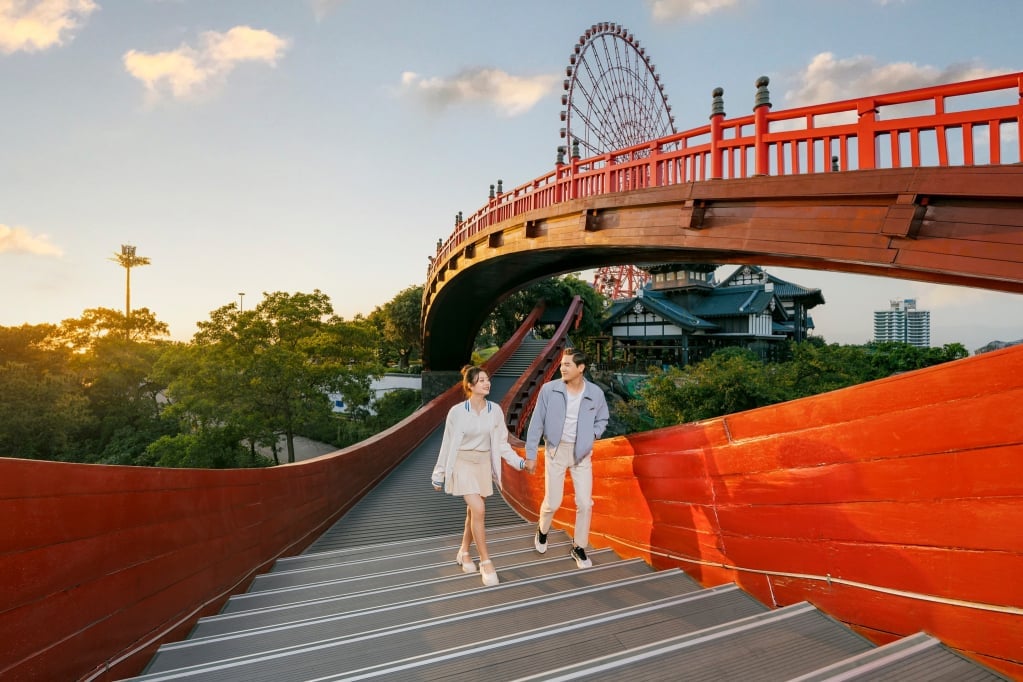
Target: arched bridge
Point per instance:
(930, 194)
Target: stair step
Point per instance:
(506, 563)
(775, 645)
(337, 622)
(662, 597)
(525, 576)
(917, 657)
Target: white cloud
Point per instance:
(829, 79)
(39, 25)
(510, 95)
(667, 10)
(187, 70)
(20, 240)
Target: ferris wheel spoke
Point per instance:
(598, 97)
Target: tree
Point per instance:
(113, 357)
(81, 334)
(557, 292)
(33, 345)
(398, 321)
(266, 372)
(80, 390)
(41, 413)
(731, 380)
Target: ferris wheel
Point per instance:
(613, 98)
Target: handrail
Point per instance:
(822, 138)
(497, 360)
(520, 399)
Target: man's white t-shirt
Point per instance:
(571, 416)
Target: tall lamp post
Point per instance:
(128, 260)
(241, 301)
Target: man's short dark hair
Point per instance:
(578, 357)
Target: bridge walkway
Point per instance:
(378, 596)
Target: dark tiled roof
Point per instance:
(784, 289)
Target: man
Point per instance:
(570, 414)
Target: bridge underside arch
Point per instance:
(960, 226)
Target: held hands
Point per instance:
(531, 466)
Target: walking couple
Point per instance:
(570, 414)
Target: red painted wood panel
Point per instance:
(912, 483)
(105, 563)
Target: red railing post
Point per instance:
(1019, 119)
(717, 115)
(866, 144)
(572, 169)
(559, 191)
(761, 105)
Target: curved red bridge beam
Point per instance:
(760, 188)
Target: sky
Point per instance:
(251, 146)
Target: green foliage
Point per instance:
(558, 293)
(80, 334)
(398, 322)
(731, 380)
(344, 429)
(266, 372)
(72, 387)
(206, 449)
(41, 413)
(734, 379)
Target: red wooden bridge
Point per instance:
(934, 194)
(895, 506)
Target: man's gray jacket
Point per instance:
(548, 419)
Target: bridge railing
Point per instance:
(945, 125)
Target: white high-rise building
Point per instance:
(903, 322)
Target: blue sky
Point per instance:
(291, 145)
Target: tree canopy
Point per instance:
(557, 292)
(265, 372)
(398, 322)
(735, 379)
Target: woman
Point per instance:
(475, 440)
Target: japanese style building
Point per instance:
(683, 315)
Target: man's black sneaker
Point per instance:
(579, 554)
(540, 541)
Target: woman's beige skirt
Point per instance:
(471, 474)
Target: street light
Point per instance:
(241, 301)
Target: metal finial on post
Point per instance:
(575, 148)
(834, 164)
(763, 97)
(456, 220)
(561, 155)
(491, 191)
(500, 187)
(717, 102)
(460, 218)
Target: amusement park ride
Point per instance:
(613, 99)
